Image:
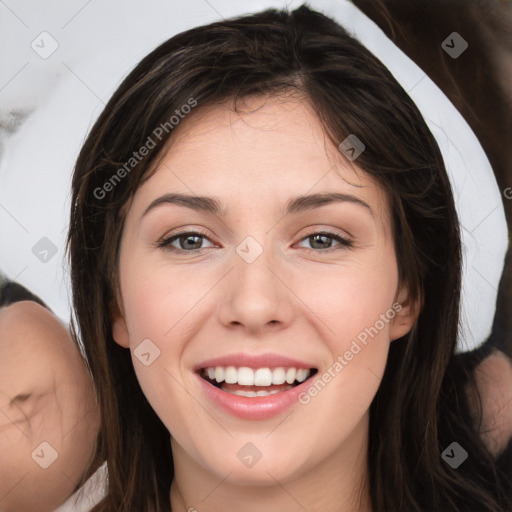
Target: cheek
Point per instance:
(160, 304)
(352, 298)
(156, 299)
(355, 304)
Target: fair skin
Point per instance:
(494, 382)
(306, 305)
(46, 396)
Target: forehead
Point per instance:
(282, 126)
(273, 148)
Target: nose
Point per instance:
(256, 296)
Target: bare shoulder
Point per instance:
(494, 381)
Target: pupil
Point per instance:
(316, 237)
(188, 238)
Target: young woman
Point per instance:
(299, 353)
(49, 419)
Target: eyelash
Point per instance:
(166, 242)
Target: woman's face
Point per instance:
(259, 291)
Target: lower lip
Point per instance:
(253, 408)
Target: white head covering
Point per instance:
(477, 196)
(36, 166)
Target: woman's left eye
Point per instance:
(186, 241)
(323, 235)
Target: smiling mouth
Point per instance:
(248, 382)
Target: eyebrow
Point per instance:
(294, 205)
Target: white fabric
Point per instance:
(478, 199)
(37, 161)
(89, 494)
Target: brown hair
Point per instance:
(419, 408)
(12, 292)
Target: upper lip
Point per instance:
(267, 360)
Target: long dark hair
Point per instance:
(420, 407)
(12, 292)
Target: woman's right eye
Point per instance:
(183, 239)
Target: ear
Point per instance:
(119, 328)
(407, 311)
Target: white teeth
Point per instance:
(245, 376)
(278, 376)
(290, 375)
(302, 375)
(219, 374)
(249, 394)
(230, 375)
(264, 377)
(252, 394)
